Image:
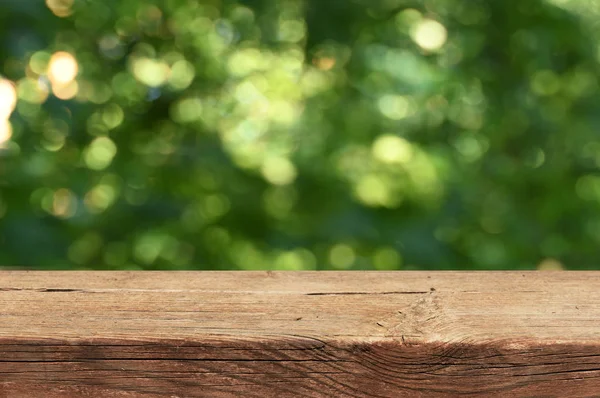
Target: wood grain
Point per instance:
(299, 334)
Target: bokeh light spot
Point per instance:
(389, 148)
(550, 264)
(5, 132)
(280, 200)
(62, 68)
(38, 63)
(215, 206)
(545, 82)
(65, 91)
(372, 190)
(113, 116)
(430, 35)
(386, 258)
(588, 187)
(100, 198)
(148, 246)
(186, 110)
(85, 248)
(324, 63)
(291, 31)
(32, 91)
(395, 107)
(8, 98)
(182, 74)
(60, 8)
(295, 260)
(279, 170)
(152, 73)
(341, 256)
(100, 153)
(64, 203)
(407, 18)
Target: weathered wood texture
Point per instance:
(278, 334)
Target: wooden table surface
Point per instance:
(299, 334)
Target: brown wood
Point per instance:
(304, 334)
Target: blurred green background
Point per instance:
(300, 134)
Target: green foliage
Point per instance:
(299, 134)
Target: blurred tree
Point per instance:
(301, 134)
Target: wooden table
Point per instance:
(299, 334)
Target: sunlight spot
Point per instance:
(8, 98)
(60, 8)
(5, 132)
(430, 35)
(373, 191)
(150, 72)
(389, 148)
(62, 68)
(66, 91)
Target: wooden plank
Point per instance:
(304, 334)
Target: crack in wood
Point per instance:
(364, 293)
